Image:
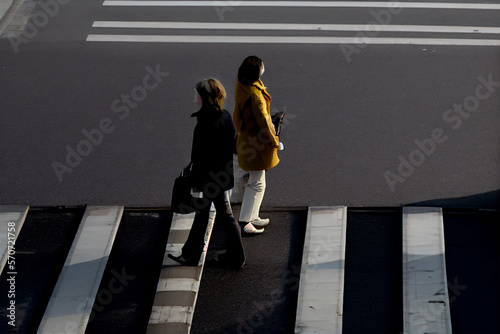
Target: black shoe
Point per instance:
(182, 261)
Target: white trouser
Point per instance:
(252, 198)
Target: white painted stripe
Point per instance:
(168, 314)
(12, 219)
(164, 315)
(321, 289)
(178, 284)
(300, 27)
(290, 40)
(181, 221)
(425, 290)
(329, 4)
(76, 289)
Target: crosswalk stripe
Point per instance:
(298, 27)
(178, 236)
(177, 284)
(425, 290)
(174, 298)
(177, 289)
(12, 219)
(359, 41)
(182, 222)
(321, 290)
(321, 4)
(72, 300)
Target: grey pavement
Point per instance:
(352, 129)
(348, 125)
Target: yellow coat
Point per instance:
(257, 144)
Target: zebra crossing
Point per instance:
(426, 303)
(424, 272)
(380, 29)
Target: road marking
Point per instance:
(329, 4)
(321, 289)
(178, 284)
(182, 222)
(425, 290)
(290, 40)
(177, 288)
(12, 219)
(300, 27)
(76, 289)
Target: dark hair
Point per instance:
(250, 69)
(211, 92)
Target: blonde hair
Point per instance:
(211, 92)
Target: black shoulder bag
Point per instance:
(182, 200)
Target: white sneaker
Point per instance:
(259, 222)
(250, 229)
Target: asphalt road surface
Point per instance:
(262, 297)
(409, 117)
(106, 122)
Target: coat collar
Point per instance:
(207, 111)
(246, 87)
(259, 84)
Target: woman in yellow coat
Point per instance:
(257, 142)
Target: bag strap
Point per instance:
(186, 170)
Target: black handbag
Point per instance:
(182, 200)
(277, 120)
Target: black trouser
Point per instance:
(192, 249)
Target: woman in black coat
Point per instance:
(212, 176)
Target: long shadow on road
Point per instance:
(262, 297)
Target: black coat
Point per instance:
(214, 142)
